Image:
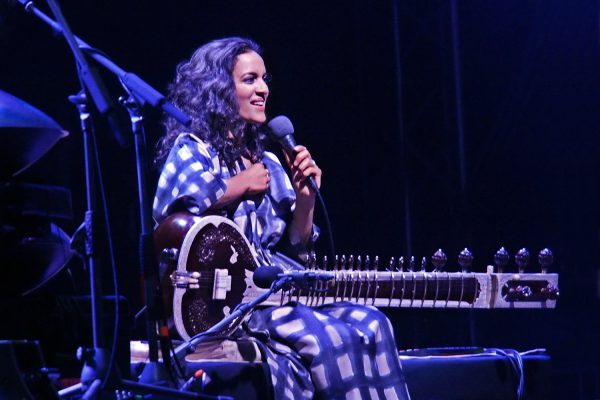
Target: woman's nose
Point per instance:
(262, 88)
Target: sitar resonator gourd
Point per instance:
(209, 264)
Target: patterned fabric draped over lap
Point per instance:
(347, 349)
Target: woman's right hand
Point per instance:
(256, 177)
(252, 181)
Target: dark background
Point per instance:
(437, 125)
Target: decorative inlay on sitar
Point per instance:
(215, 263)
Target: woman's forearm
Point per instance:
(300, 228)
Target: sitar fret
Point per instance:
(393, 289)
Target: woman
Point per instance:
(219, 165)
(223, 87)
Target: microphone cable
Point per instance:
(328, 226)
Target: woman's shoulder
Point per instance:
(195, 143)
(271, 156)
(188, 137)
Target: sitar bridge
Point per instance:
(221, 284)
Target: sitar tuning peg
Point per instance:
(439, 259)
(336, 262)
(424, 264)
(465, 259)
(343, 262)
(351, 262)
(312, 260)
(392, 264)
(501, 259)
(522, 259)
(545, 258)
(324, 263)
(400, 264)
(358, 266)
(411, 264)
(376, 263)
(367, 262)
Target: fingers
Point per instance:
(258, 178)
(300, 178)
(304, 163)
(260, 171)
(313, 170)
(302, 154)
(302, 167)
(263, 174)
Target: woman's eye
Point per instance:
(249, 80)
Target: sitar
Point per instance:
(208, 265)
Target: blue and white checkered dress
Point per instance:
(337, 351)
(194, 178)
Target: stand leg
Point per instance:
(94, 369)
(96, 360)
(154, 372)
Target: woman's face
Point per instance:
(251, 90)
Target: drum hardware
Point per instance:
(28, 211)
(97, 372)
(30, 132)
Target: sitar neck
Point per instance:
(425, 290)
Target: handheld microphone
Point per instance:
(264, 276)
(282, 131)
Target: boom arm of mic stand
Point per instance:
(143, 92)
(88, 75)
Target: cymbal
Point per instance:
(26, 134)
(33, 254)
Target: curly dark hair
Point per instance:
(205, 90)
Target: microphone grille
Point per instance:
(265, 275)
(281, 126)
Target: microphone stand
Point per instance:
(156, 320)
(232, 319)
(95, 360)
(97, 373)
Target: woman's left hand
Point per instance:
(303, 166)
